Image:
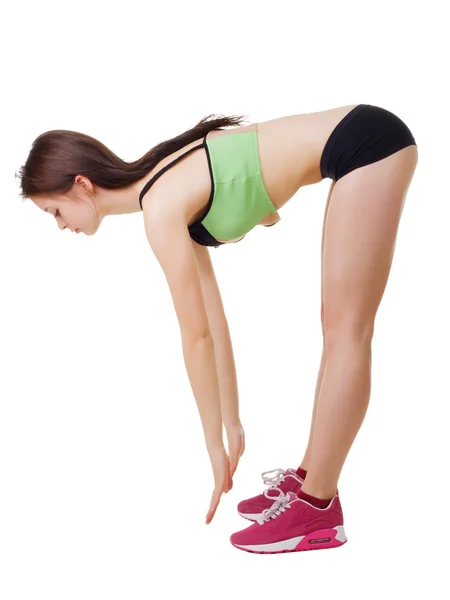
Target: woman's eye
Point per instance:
(57, 213)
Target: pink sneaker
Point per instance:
(280, 484)
(292, 525)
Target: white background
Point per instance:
(104, 476)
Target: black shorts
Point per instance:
(366, 134)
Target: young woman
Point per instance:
(210, 186)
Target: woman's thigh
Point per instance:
(321, 251)
(359, 239)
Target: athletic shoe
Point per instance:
(280, 484)
(293, 525)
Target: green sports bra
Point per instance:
(238, 199)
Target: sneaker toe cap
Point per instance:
(240, 538)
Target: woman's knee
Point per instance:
(343, 328)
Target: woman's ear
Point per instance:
(85, 182)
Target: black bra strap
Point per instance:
(148, 185)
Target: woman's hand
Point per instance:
(236, 445)
(223, 481)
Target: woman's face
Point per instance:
(73, 210)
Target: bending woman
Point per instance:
(212, 185)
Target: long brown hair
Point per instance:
(57, 156)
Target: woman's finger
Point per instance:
(233, 462)
(209, 516)
(235, 457)
(229, 484)
(214, 504)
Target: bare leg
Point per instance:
(307, 457)
(361, 231)
(305, 462)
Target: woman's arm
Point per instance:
(169, 238)
(173, 249)
(218, 324)
(226, 368)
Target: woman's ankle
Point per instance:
(314, 500)
(319, 488)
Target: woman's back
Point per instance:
(289, 150)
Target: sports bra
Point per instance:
(238, 199)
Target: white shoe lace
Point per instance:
(279, 506)
(274, 480)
